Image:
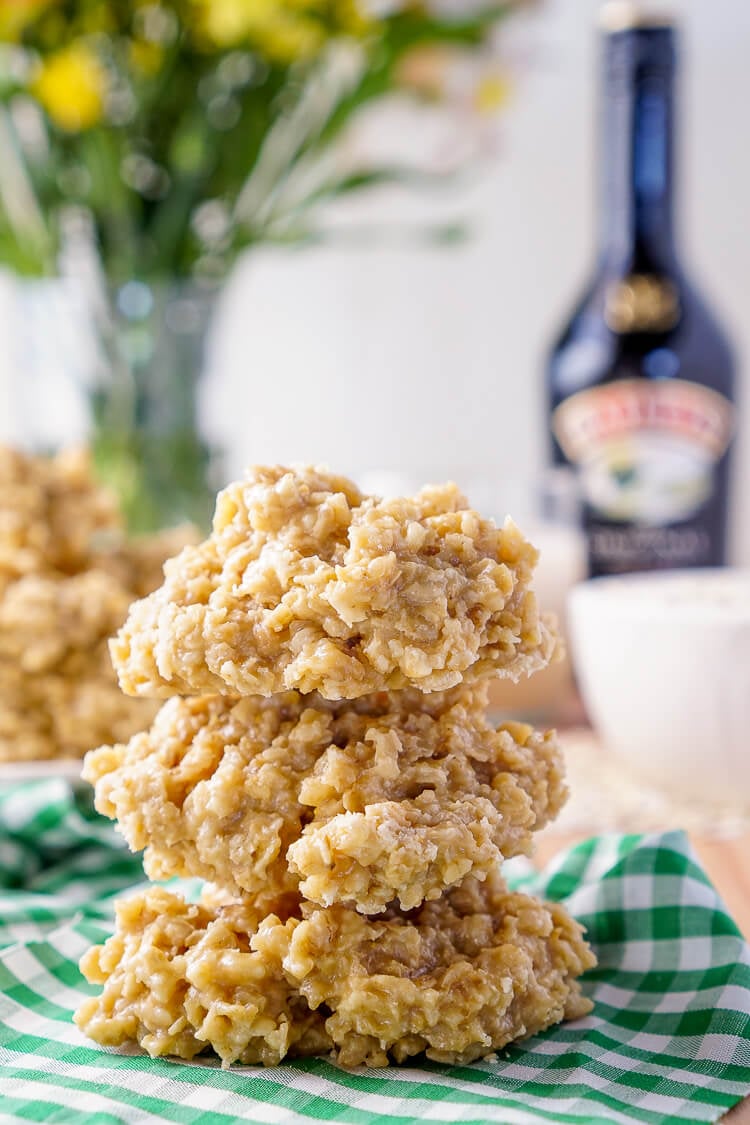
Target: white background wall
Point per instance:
(428, 361)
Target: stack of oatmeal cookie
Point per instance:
(324, 761)
(67, 577)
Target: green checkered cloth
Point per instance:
(668, 1040)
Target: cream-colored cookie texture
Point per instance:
(51, 511)
(58, 692)
(67, 577)
(393, 796)
(457, 979)
(307, 584)
(179, 978)
(54, 716)
(334, 777)
(49, 623)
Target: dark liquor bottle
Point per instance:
(641, 383)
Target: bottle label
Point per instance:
(645, 450)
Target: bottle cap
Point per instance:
(639, 40)
(628, 15)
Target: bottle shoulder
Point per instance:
(604, 339)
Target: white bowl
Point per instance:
(63, 769)
(663, 664)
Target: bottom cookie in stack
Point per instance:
(257, 981)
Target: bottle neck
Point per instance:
(637, 192)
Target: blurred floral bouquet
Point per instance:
(163, 138)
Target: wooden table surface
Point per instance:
(727, 863)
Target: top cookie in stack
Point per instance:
(307, 584)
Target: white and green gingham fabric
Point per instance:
(668, 1040)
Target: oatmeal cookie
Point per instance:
(180, 978)
(58, 692)
(393, 796)
(306, 584)
(67, 578)
(52, 623)
(60, 716)
(457, 979)
(25, 727)
(51, 513)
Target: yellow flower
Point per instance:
(229, 22)
(283, 30)
(352, 17)
(289, 39)
(71, 85)
(491, 93)
(16, 15)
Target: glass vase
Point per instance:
(119, 368)
(145, 432)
